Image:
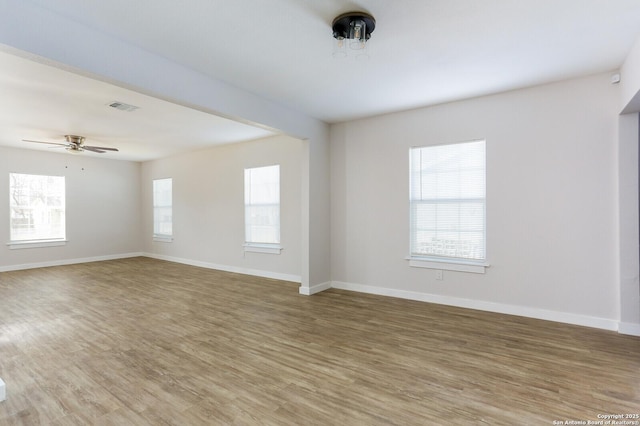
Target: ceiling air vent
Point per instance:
(123, 107)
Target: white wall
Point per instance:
(551, 203)
(628, 224)
(102, 206)
(208, 212)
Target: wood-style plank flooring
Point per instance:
(146, 342)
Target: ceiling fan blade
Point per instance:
(99, 147)
(48, 143)
(93, 149)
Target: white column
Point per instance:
(628, 224)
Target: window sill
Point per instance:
(447, 264)
(162, 239)
(18, 245)
(262, 248)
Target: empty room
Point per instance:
(319, 213)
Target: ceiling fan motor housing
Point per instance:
(77, 140)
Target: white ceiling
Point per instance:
(41, 102)
(423, 52)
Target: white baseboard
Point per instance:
(227, 268)
(308, 291)
(629, 328)
(67, 262)
(522, 311)
(3, 391)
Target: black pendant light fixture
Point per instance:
(351, 31)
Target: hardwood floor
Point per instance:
(146, 342)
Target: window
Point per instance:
(162, 209)
(262, 209)
(447, 203)
(37, 206)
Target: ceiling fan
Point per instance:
(75, 144)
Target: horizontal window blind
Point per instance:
(262, 205)
(163, 207)
(37, 205)
(447, 201)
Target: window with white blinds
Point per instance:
(262, 205)
(37, 208)
(447, 202)
(163, 209)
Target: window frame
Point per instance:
(46, 241)
(256, 246)
(159, 236)
(443, 262)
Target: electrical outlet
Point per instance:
(439, 274)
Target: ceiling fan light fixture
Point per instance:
(351, 32)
